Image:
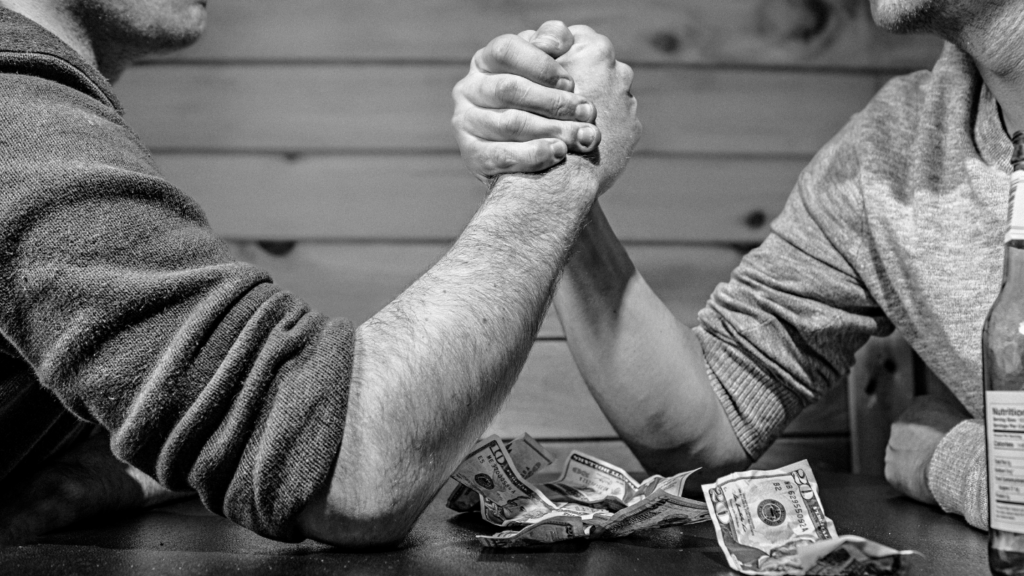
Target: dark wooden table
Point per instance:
(183, 538)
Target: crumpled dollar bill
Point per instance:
(771, 522)
(591, 499)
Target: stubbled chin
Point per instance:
(903, 16)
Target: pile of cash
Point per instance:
(591, 499)
(768, 522)
(772, 522)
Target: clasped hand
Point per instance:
(529, 99)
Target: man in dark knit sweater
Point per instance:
(119, 308)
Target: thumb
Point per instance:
(553, 37)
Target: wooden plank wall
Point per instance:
(316, 135)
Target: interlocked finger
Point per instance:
(498, 91)
(511, 54)
(517, 126)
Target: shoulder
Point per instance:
(41, 118)
(67, 156)
(912, 119)
(914, 116)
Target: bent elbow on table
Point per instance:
(670, 443)
(350, 517)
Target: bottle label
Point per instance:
(1004, 430)
(1015, 231)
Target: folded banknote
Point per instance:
(772, 522)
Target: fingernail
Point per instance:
(586, 136)
(565, 84)
(585, 112)
(558, 149)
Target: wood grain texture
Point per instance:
(418, 197)
(834, 33)
(357, 280)
(345, 108)
(826, 453)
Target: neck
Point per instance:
(64, 25)
(995, 41)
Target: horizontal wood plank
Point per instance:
(824, 453)
(551, 401)
(405, 108)
(357, 280)
(413, 197)
(836, 33)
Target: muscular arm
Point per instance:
(431, 368)
(235, 388)
(644, 368)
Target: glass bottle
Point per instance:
(1002, 347)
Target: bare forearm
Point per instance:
(432, 367)
(644, 368)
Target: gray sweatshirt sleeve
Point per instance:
(115, 291)
(787, 324)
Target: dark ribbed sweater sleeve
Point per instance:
(129, 310)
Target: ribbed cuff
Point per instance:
(757, 415)
(957, 474)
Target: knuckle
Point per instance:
(512, 123)
(503, 160)
(603, 47)
(627, 73)
(503, 48)
(564, 105)
(478, 62)
(487, 166)
(459, 89)
(536, 157)
(458, 123)
(507, 90)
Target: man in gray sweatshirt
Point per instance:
(120, 311)
(897, 223)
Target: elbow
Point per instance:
(348, 521)
(715, 453)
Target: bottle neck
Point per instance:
(1013, 262)
(1015, 229)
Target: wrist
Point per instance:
(569, 184)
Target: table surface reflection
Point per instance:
(183, 538)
